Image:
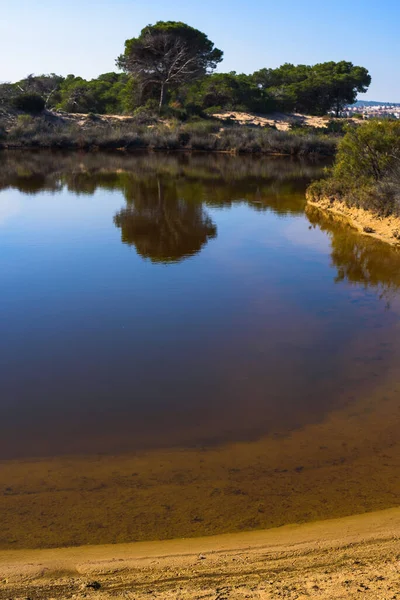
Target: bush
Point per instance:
(202, 127)
(366, 172)
(214, 110)
(368, 152)
(144, 116)
(30, 103)
(337, 126)
(25, 120)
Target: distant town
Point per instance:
(370, 110)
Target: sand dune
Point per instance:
(283, 122)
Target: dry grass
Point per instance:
(85, 132)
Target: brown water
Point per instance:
(186, 349)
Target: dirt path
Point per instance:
(344, 558)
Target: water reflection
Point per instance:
(31, 172)
(252, 337)
(273, 335)
(167, 196)
(163, 226)
(356, 258)
(165, 218)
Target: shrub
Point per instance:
(368, 152)
(202, 127)
(144, 116)
(30, 103)
(214, 109)
(366, 172)
(25, 120)
(337, 126)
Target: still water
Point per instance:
(152, 302)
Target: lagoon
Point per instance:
(187, 349)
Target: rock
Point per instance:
(95, 585)
(369, 230)
(202, 557)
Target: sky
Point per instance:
(84, 37)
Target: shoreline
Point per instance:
(68, 132)
(147, 150)
(360, 219)
(312, 156)
(333, 558)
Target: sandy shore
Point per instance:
(339, 558)
(385, 229)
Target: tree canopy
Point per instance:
(169, 54)
(315, 89)
(170, 66)
(228, 91)
(108, 94)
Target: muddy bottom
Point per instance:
(348, 464)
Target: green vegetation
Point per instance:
(222, 91)
(168, 55)
(366, 172)
(168, 92)
(30, 103)
(169, 68)
(111, 93)
(314, 90)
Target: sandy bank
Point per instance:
(386, 229)
(340, 558)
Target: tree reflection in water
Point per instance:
(165, 216)
(163, 226)
(357, 258)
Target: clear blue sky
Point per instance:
(85, 36)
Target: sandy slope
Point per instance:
(386, 229)
(351, 557)
(281, 121)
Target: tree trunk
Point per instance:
(162, 97)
